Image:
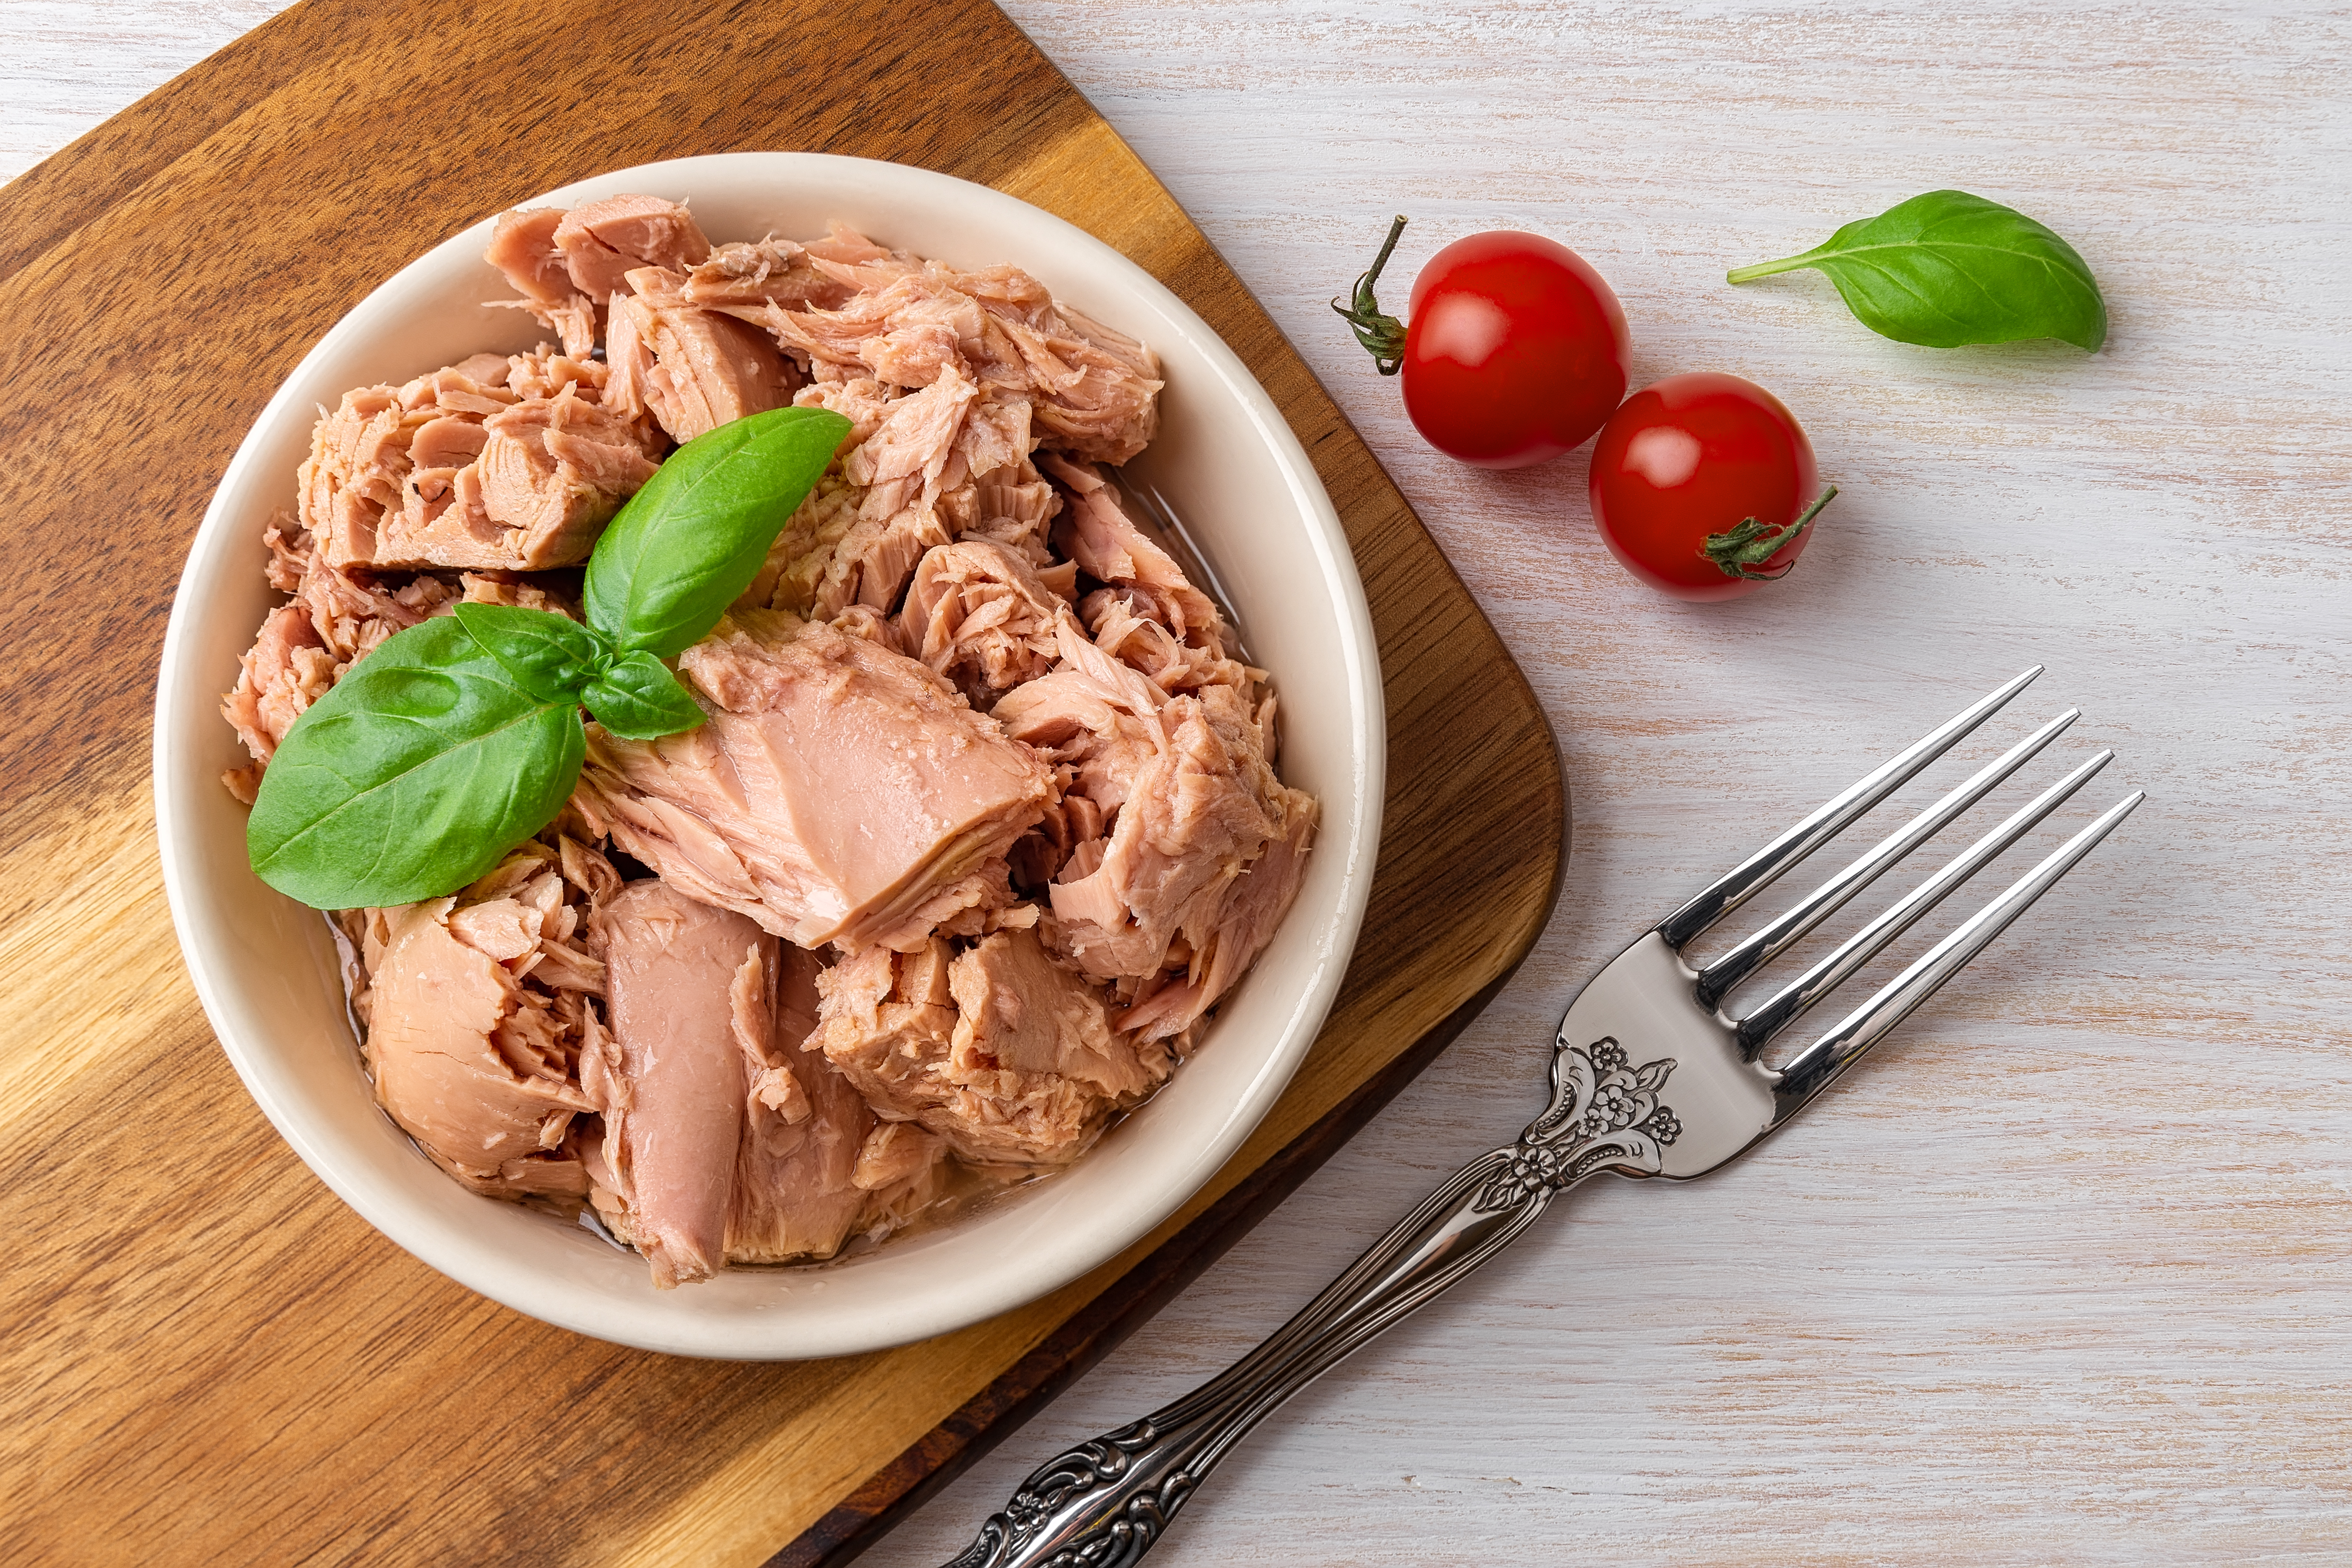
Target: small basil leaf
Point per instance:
(638, 699)
(423, 766)
(1949, 269)
(550, 656)
(687, 545)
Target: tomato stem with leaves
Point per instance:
(1381, 335)
(1739, 550)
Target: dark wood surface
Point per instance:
(205, 1356)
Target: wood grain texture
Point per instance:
(207, 1358)
(2064, 1275)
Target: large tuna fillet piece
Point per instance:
(361, 453)
(691, 999)
(523, 245)
(1168, 1004)
(1095, 533)
(900, 470)
(760, 273)
(547, 477)
(476, 1013)
(1094, 390)
(567, 264)
(604, 241)
(694, 370)
(799, 1188)
(499, 463)
(839, 792)
(1204, 857)
(1000, 1051)
(439, 1007)
(977, 614)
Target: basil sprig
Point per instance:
(457, 739)
(423, 765)
(1947, 269)
(667, 568)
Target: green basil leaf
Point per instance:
(423, 766)
(550, 656)
(687, 545)
(638, 699)
(1949, 269)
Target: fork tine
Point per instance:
(1820, 1063)
(1756, 1029)
(1760, 870)
(1716, 980)
(1150, 510)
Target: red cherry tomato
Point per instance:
(1516, 352)
(1697, 456)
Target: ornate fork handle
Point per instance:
(1105, 1502)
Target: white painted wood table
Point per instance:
(2064, 1274)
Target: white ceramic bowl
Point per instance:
(265, 967)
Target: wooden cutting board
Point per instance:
(203, 1355)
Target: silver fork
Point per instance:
(1649, 1077)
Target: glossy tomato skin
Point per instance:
(1515, 350)
(1695, 454)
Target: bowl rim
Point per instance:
(786, 1334)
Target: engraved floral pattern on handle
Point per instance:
(1603, 1111)
(1117, 1542)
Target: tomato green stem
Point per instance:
(1382, 336)
(1739, 551)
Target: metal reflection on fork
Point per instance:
(1161, 523)
(1649, 1077)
